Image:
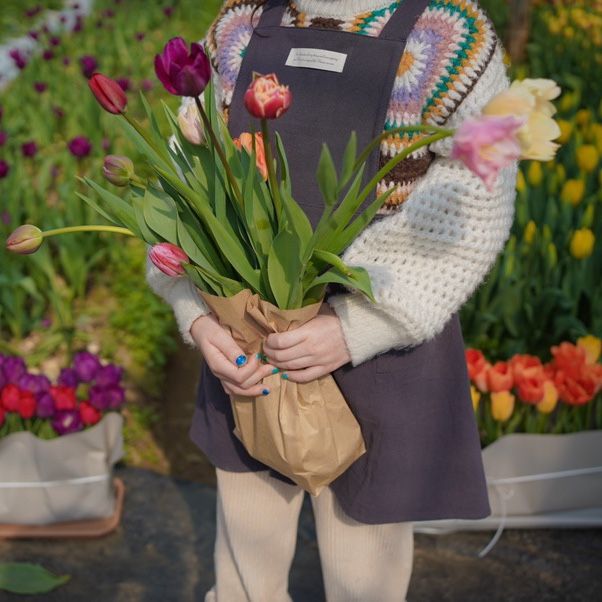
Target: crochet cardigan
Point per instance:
(442, 230)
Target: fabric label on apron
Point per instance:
(317, 58)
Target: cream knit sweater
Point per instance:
(424, 260)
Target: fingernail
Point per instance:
(266, 392)
(284, 375)
(258, 356)
(241, 360)
(275, 370)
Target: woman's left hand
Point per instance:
(309, 351)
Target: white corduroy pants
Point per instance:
(257, 518)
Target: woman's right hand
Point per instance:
(220, 351)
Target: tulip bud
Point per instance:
(118, 170)
(108, 93)
(529, 232)
(582, 243)
(552, 255)
(168, 258)
(587, 158)
(573, 191)
(266, 97)
(592, 346)
(566, 129)
(550, 398)
(189, 121)
(25, 239)
(502, 405)
(475, 394)
(535, 173)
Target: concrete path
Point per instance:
(163, 552)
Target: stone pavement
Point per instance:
(162, 552)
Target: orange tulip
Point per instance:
(245, 140)
(500, 377)
(477, 368)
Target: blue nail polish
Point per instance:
(258, 356)
(275, 370)
(241, 360)
(266, 392)
(284, 375)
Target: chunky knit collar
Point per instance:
(339, 8)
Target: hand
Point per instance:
(220, 351)
(309, 351)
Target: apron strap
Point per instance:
(398, 27)
(403, 19)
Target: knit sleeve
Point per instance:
(426, 260)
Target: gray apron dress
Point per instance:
(423, 459)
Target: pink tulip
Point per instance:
(266, 97)
(168, 258)
(486, 144)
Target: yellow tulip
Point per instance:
(567, 102)
(531, 100)
(552, 255)
(566, 129)
(521, 185)
(587, 158)
(597, 136)
(582, 243)
(529, 233)
(475, 395)
(535, 174)
(583, 117)
(550, 398)
(502, 405)
(573, 191)
(560, 173)
(592, 346)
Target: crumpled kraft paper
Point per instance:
(305, 431)
(44, 481)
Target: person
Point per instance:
(400, 361)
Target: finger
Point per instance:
(230, 348)
(221, 366)
(284, 355)
(296, 364)
(283, 340)
(254, 391)
(306, 375)
(259, 374)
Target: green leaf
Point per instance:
(160, 213)
(349, 157)
(28, 578)
(326, 175)
(284, 265)
(283, 161)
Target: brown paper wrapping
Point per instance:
(305, 431)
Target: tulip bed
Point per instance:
(543, 291)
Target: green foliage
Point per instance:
(28, 578)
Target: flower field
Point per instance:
(541, 301)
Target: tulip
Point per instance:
(183, 73)
(86, 366)
(500, 377)
(529, 99)
(29, 148)
(245, 140)
(108, 376)
(40, 87)
(502, 405)
(592, 346)
(168, 258)
(18, 58)
(529, 233)
(68, 377)
(582, 243)
(24, 240)
(67, 421)
(108, 93)
(583, 117)
(80, 146)
(566, 129)
(88, 65)
(9, 397)
(521, 185)
(535, 174)
(475, 396)
(118, 169)
(64, 397)
(4, 169)
(486, 144)
(2, 418)
(573, 191)
(47, 55)
(587, 158)
(124, 83)
(189, 121)
(266, 97)
(27, 404)
(89, 414)
(550, 398)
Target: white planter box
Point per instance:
(63, 479)
(535, 481)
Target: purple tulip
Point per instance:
(124, 83)
(79, 24)
(86, 365)
(183, 73)
(45, 407)
(63, 19)
(29, 148)
(3, 137)
(116, 396)
(108, 375)
(14, 368)
(67, 421)
(99, 397)
(33, 34)
(80, 146)
(88, 64)
(68, 377)
(40, 87)
(4, 169)
(54, 41)
(168, 11)
(18, 58)
(47, 55)
(36, 383)
(75, 6)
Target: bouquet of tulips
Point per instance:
(221, 211)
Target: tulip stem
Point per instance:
(270, 165)
(90, 228)
(220, 152)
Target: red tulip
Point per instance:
(266, 97)
(183, 73)
(168, 258)
(108, 93)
